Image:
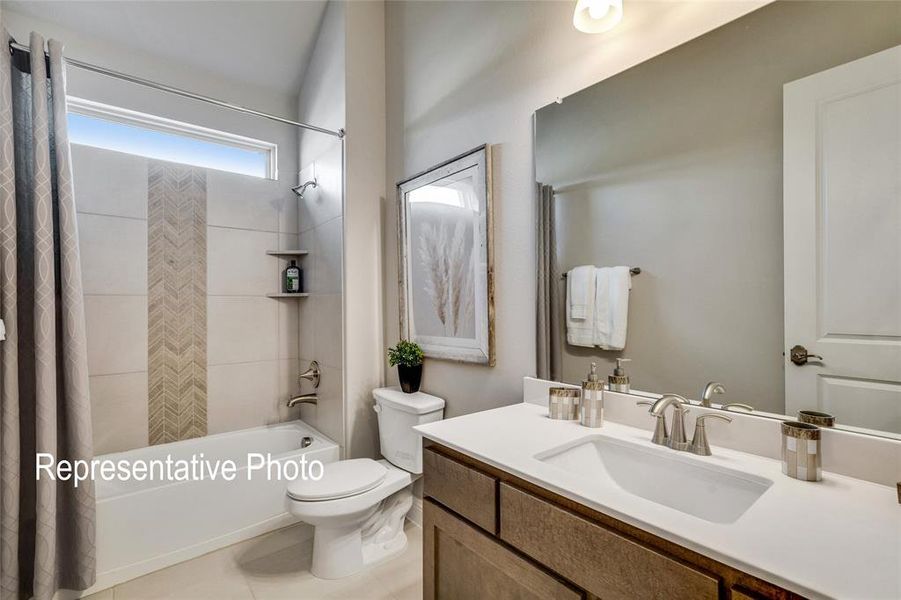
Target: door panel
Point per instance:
(860, 287)
(868, 404)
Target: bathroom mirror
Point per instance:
(752, 175)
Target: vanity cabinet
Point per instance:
(489, 534)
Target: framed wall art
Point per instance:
(446, 259)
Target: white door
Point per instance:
(842, 226)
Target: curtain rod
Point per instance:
(184, 93)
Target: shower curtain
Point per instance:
(46, 527)
(548, 288)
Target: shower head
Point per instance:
(300, 189)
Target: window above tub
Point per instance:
(114, 128)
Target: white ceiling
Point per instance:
(258, 42)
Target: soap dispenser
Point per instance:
(592, 408)
(619, 381)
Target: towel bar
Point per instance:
(633, 271)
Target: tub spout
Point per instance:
(303, 399)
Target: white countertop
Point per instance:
(838, 538)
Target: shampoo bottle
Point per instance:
(292, 279)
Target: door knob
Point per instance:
(800, 356)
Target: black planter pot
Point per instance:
(410, 378)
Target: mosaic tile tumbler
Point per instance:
(801, 457)
(563, 403)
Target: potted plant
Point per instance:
(407, 357)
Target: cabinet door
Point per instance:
(598, 559)
(462, 563)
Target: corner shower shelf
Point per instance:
(287, 252)
(293, 295)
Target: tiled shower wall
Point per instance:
(252, 341)
(322, 231)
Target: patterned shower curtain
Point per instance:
(46, 527)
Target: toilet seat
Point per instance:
(340, 479)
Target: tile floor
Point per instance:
(275, 566)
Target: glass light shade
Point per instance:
(597, 16)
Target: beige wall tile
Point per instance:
(242, 395)
(306, 326)
(119, 412)
(242, 329)
(328, 414)
(289, 241)
(246, 202)
(289, 327)
(325, 202)
(113, 254)
(327, 332)
(117, 334)
(329, 250)
(307, 241)
(237, 263)
(289, 385)
(289, 215)
(109, 183)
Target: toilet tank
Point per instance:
(398, 414)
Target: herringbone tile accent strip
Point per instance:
(176, 276)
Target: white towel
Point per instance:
(611, 313)
(580, 291)
(580, 295)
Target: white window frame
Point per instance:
(89, 108)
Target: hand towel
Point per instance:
(580, 295)
(580, 291)
(612, 307)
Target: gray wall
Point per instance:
(676, 166)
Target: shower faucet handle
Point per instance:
(312, 374)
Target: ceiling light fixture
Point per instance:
(597, 16)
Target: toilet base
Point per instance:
(343, 551)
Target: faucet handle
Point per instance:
(312, 374)
(699, 444)
(660, 433)
(701, 418)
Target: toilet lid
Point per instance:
(339, 480)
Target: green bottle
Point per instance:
(292, 279)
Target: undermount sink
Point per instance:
(710, 492)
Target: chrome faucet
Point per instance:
(303, 399)
(699, 444)
(676, 438)
(709, 390)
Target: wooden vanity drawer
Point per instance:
(462, 563)
(469, 493)
(593, 557)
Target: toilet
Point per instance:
(358, 507)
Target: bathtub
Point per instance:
(148, 525)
